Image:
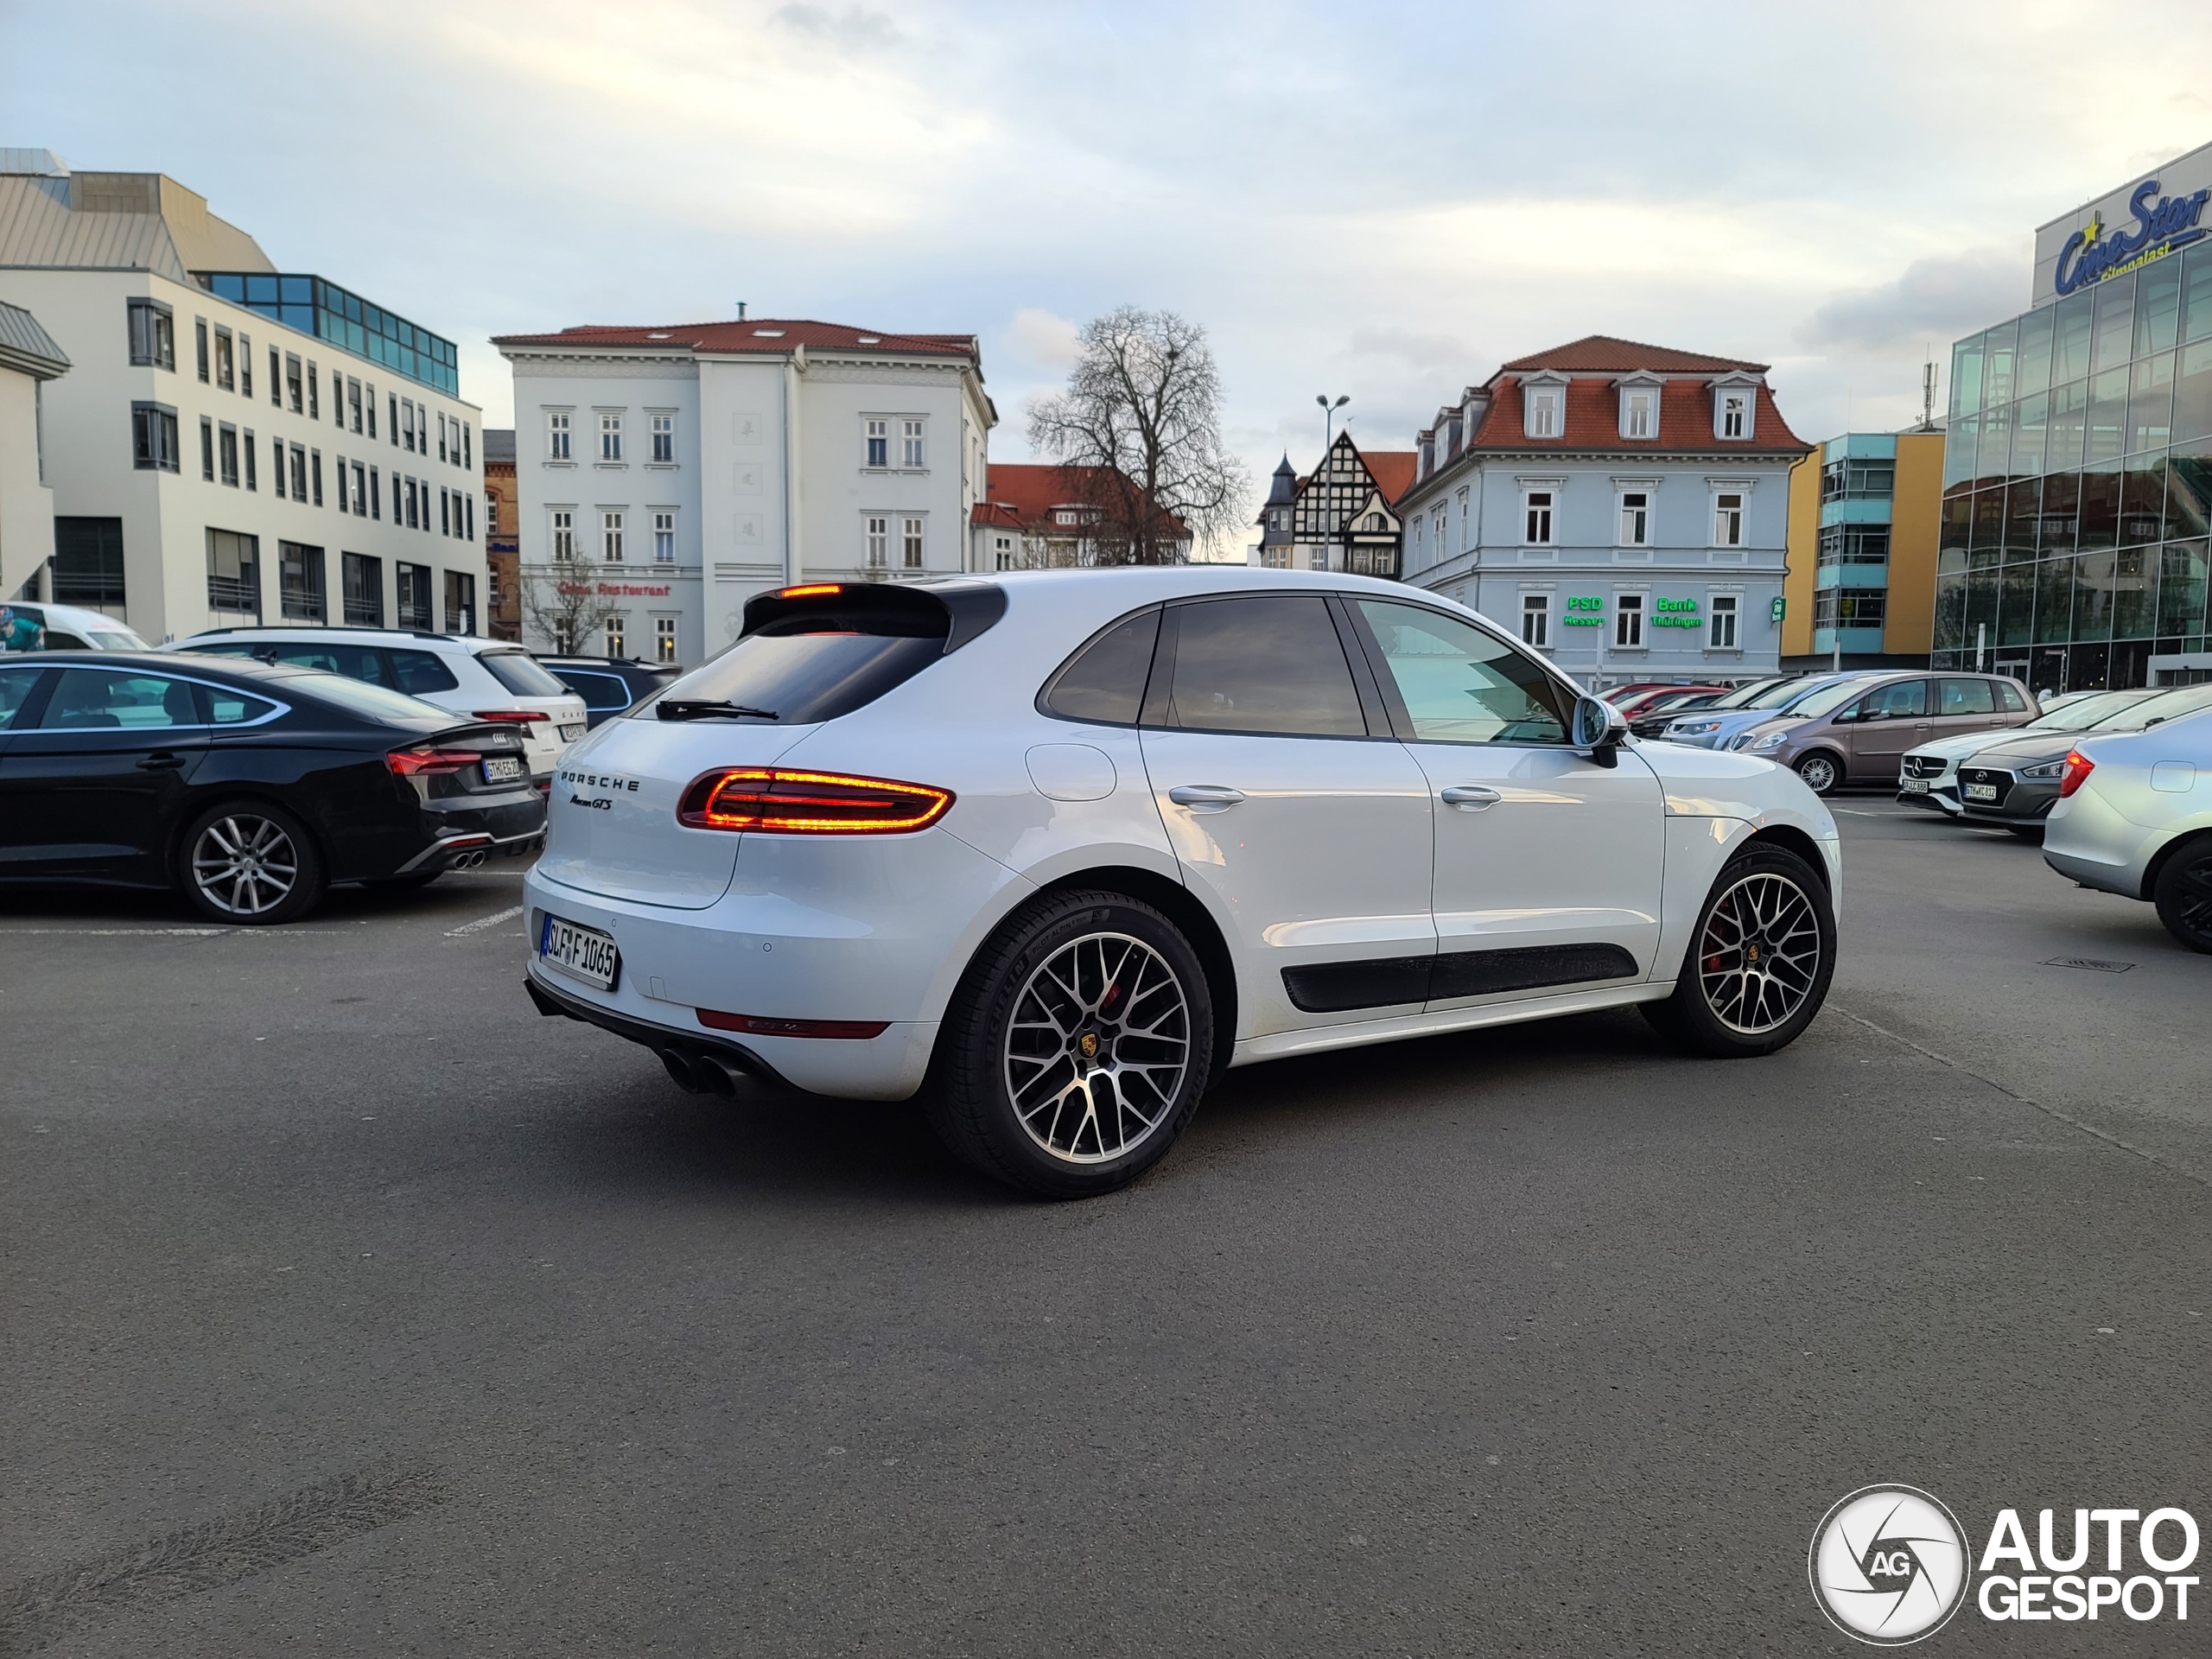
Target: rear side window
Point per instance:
(2014, 702)
(354, 662)
(599, 691)
(421, 670)
(519, 673)
(1904, 699)
(228, 707)
(1104, 681)
(1269, 664)
(1969, 697)
(97, 699)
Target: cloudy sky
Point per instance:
(1383, 200)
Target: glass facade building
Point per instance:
(2077, 484)
(345, 319)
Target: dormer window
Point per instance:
(1639, 396)
(1543, 421)
(1735, 409)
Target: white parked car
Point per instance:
(2134, 818)
(487, 679)
(71, 628)
(1057, 849)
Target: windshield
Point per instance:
(2086, 712)
(1775, 697)
(2161, 706)
(359, 697)
(1744, 696)
(1825, 700)
(116, 640)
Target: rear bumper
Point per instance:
(466, 829)
(2085, 840)
(700, 1063)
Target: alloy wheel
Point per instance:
(2192, 903)
(245, 865)
(1096, 1047)
(1819, 773)
(1759, 955)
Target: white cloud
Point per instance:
(1042, 339)
(1933, 301)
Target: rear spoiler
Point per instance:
(954, 610)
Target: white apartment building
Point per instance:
(29, 359)
(697, 464)
(232, 443)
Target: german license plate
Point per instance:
(582, 953)
(1981, 791)
(570, 733)
(500, 768)
(1916, 786)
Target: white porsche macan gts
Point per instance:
(1055, 851)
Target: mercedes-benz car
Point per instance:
(2015, 784)
(2134, 818)
(1928, 774)
(1055, 851)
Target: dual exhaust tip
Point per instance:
(465, 860)
(703, 1071)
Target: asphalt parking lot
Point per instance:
(352, 1308)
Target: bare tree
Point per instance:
(562, 606)
(1137, 435)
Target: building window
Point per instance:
(610, 437)
(227, 454)
(1855, 478)
(353, 403)
(200, 347)
(1721, 625)
(610, 537)
(1855, 544)
(468, 513)
(1628, 622)
(153, 335)
(614, 640)
(664, 538)
(664, 449)
(207, 448)
(246, 365)
(564, 533)
(467, 449)
(296, 390)
(663, 639)
(448, 519)
(556, 436)
(88, 562)
(314, 400)
(1728, 518)
(1004, 549)
(376, 493)
(442, 440)
(878, 537)
(879, 443)
(252, 474)
(276, 379)
(911, 543)
(299, 472)
(391, 416)
(226, 360)
(153, 438)
(299, 582)
(408, 484)
(1635, 518)
(1849, 607)
(1640, 412)
(233, 573)
(407, 425)
(361, 491)
(1543, 412)
(414, 600)
(460, 599)
(1731, 413)
(1536, 620)
(491, 513)
(910, 443)
(314, 470)
(362, 578)
(1537, 526)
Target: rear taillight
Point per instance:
(425, 761)
(518, 717)
(785, 803)
(2078, 768)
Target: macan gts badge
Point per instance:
(1056, 850)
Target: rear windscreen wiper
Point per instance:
(688, 708)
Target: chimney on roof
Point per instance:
(741, 310)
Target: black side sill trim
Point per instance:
(1394, 982)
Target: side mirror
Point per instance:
(1599, 730)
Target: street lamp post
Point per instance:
(1329, 417)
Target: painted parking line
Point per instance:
(164, 933)
(483, 922)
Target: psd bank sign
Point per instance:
(2094, 252)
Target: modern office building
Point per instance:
(2077, 474)
(29, 359)
(1623, 507)
(1864, 511)
(232, 443)
(693, 466)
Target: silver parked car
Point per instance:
(2134, 818)
(1929, 777)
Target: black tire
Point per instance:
(250, 864)
(1822, 771)
(402, 883)
(1062, 1139)
(1778, 884)
(2184, 894)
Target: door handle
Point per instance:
(1205, 797)
(162, 760)
(1470, 798)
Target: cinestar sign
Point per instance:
(2090, 255)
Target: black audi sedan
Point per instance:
(251, 788)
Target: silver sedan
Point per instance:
(2134, 818)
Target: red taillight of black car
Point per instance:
(779, 801)
(425, 761)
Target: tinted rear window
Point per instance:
(521, 675)
(811, 655)
(1270, 664)
(598, 690)
(1104, 681)
(421, 670)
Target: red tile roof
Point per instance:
(771, 334)
(1022, 495)
(1392, 469)
(1593, 421)
(1603, 354)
